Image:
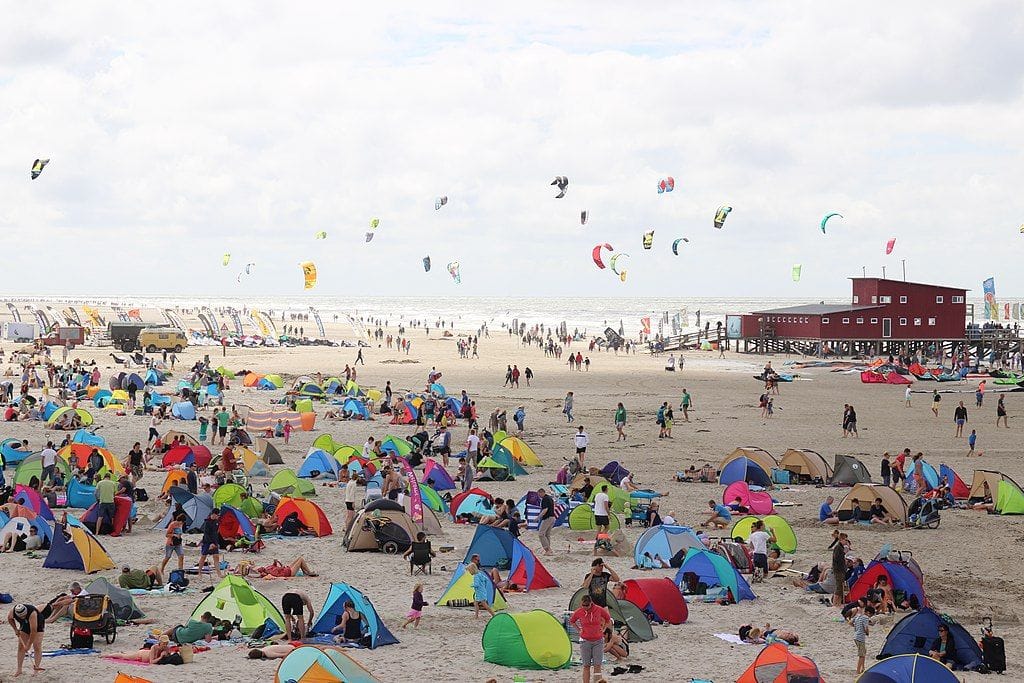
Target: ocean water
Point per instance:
(591, 314)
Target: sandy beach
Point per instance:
(970, 563)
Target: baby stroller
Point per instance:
(391, 538)
(95, 614)
(923, 514)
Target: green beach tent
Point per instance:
(234, 597)
(287, 483)
(432, 499)
(1009, 498)
(396, 444)
(526, 640)
(582, 519)
(326, 443)
(32, 466)
(785, 537)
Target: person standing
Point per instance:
(960, 418)
(351, 481)
(210, 544)
(972, 441)
(1001, 413)
(685, 403)
(839, 574)
(620, 422)
(472, 447)
(515, 376)
(527, 373)
(759, 541)
(861, 630)
(547, 519)
(49, 462)
(591, 620)
(601, 512)
(581, 440)
(173, 542)
(886, 469)
(154, 422)
(936, 399)
(359, 357)
(223, 417)
(106, 489)
(906, 397)
(28, 624)
(567, 407)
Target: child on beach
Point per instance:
(413, 617)
(204, 426)
(481, 589)
(287, 431)
(971, 440)
(860, 635)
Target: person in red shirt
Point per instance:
(227, 460)
(591, 620)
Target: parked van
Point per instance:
(154, 339)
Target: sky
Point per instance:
(178, 132)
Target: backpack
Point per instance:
(177, 577)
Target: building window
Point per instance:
(885, 299)
(874, 299)
(938, 299)
(903, 322)
(856, 299)
(824, 321)
(917, 322)
(957, 299)
(846, 321)
(931, 322)
(874, 321)
(903, 299)
(860, 321)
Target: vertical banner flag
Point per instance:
(991, 307)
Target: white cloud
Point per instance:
(180, 132)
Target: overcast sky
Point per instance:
(181, 131)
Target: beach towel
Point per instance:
(126, 661)
(731, 638)
(70, 651)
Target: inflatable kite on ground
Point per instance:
(648, 239)
(426, 264)
(889, 246)
(308, 274)
(322, 235)
(666, 185)
(825, 220)
(225, 259)
(596, 254)
(675, 244)
(453, 270)
(439, 202)
(37, 167)
(583, 218)
(796, 273)
(721, 215)
(562, 183)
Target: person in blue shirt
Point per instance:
(825, 513)
(720, 516)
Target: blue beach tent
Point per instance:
(334, 606)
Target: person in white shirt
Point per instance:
(351, 482)
(49, 461)
(601, 505)
(582, 440)
(759, 541)
(907, 396)
(472, 447)
(368, 448)
(669, 519)
(670, 365)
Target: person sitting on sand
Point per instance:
(653, 515)
(774, 560)
(737, 506)
(879, 515)
(944, 647)
(615, 645)
(720, 516)
(825, 513)
(153, 655)
(276, 651)
(351, 625)
(192, 631)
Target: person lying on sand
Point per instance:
(146, 656)
(277, 570)
(277, 651)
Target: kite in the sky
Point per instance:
(796, 273)
(453, 270)
(666, 185)
(613, 263)
(374, 222)
(596, 254)
(648, 239)
(583, 218)
(369, 236)
(622, 276)
(37, 167)
(225, 259)
(322, 235)
(825, 220)
(249, 267)
(308, 274)
(439, 202)
(675, 244)
(1022, 229)
(889, 246)
(721, 215)
(426, 264)
(562, 183)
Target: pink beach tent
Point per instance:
(759, 502)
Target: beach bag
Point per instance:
(187, 653)
(174, 658)
(81, 638)
(177, 577)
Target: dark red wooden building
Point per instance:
(880, 310)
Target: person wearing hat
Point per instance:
(28, 625)
(151, 655)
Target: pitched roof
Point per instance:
(814, 309)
